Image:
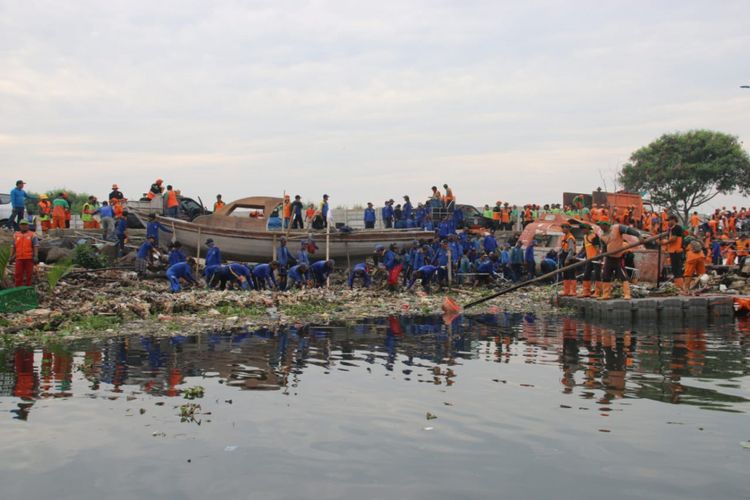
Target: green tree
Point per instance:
(684, 170)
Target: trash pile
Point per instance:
(111, 301)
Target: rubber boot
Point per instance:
(606, 291)
(626, 290)
(565, 288)
(679, 283)
(598, 289)
(572, 291)
(586, 289)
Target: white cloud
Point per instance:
(515, 101)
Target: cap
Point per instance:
(23, 222)
(43, 197)
(379, 248)
(19, 181)
(210, 240)
(325, 196)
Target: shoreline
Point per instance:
(115, 304)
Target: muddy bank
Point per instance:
(114, 302)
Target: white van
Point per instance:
(5, 209)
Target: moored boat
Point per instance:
(249, 230)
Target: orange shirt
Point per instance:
(24, 243)
(172, 199)
(287, 210)
(505, 216)
(218, 205)
(695, 221)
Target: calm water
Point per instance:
(525, 407)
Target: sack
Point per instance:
(696, 246)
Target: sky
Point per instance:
(364, 101)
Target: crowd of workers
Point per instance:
(448, 255)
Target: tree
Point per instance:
(684, 170)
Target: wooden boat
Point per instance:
(249, 230)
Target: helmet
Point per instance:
(43, 197)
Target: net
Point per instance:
(22, 298)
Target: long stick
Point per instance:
(557, 271)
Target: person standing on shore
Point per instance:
(213, 255)
(218, 204)
(387, 214)
(45, 213)
(107, 215)
(173, 203)
(18, 199)
(116, 194)
(25, 250)
(59, 208)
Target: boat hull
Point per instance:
(258, 246)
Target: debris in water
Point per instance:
(430, 416)
(193, 392)
(159, 434)
(230, 448)
(429, 428)
(745, 444)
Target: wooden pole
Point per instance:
(562, 269)
(328, 247)
(198, 251)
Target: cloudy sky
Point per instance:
(516, 101)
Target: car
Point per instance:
(6, 210)
(188, 210)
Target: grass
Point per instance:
(252, 310)
(90, 323)
(307, 308)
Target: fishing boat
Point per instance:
(249, 230)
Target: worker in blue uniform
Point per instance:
(213, 255)
(154, 226)
(263, 274)
(320, 271)
(369, 217)
(284, 258)
(360, 271)
(298, 276)
(176, 254)
(184, 271)
(424, 273)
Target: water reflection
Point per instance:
(676, 364)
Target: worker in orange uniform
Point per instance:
(155, 190)
(505, 218)
(695, 222)
(567, 256)
(591, 245)
(219, 204)
(117, 207)
(59, 207)
(672, 245)
(695, 263)
(172, 202)
(45, 212)
(743, 247)
(286, 211)
(25, 250)
(730, 254)
(612, 237)
(449, 199)
(496, 224)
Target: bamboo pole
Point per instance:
(566, 268)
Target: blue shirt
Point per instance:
(152, 229)
(105, 211)
(213, 256)
(122, 227)
(303, 256)
(319, 270)
(389, 259)
(490, 243)
(387, 212)
(283, 256)
(529, 253)
(176, 256)
(144, 251)
(295, 274)
(18, 198)
(181, 270)
(264, 272)
(369, 215)
(406, 213)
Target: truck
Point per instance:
(188, 209)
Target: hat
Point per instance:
(379, 248)
(369, 203)
(23, 222)
(325, 196)
(115, 186)
(603, 223)
(43, 197)
(19, 181)
(208, 241)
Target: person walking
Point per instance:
(107, 216)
